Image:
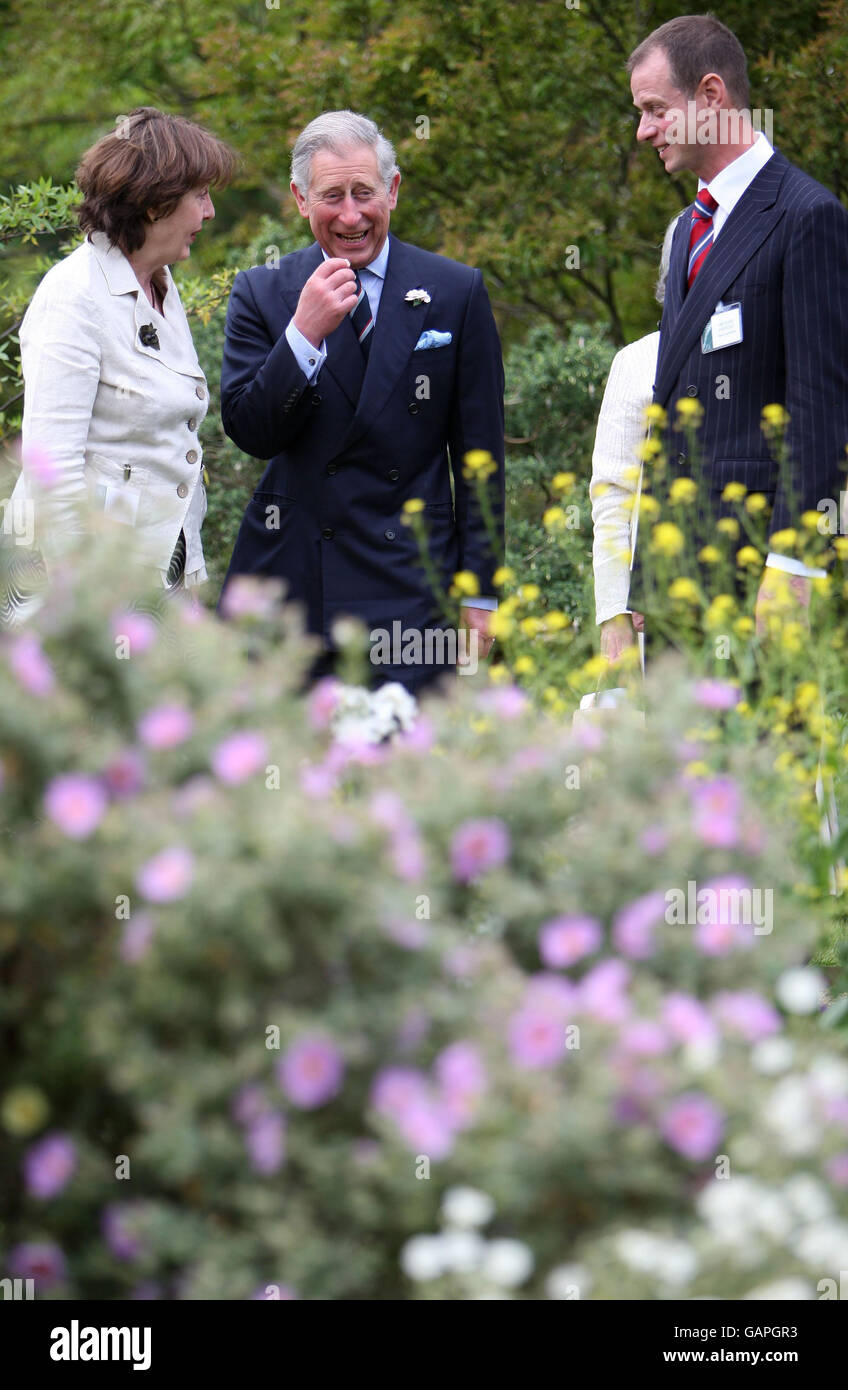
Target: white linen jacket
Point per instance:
(116, 416)
(615, 469)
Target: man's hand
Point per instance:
(781, 595)
(618, 633)
(479, 620)
(329, 294)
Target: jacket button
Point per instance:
(389, 535)
(414, 407)
(332, 469)
(200, 393)
(691, 390)
(191, 456)
(316, 399)
(394, 474)
(192, 423)
(328, 533)
(182, 490)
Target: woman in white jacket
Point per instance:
(113, 392)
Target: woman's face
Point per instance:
(170, 238)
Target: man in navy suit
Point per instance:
(763, 236)
(364, 396)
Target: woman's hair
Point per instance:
(146, 164)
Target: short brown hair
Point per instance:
(696, 44)
(147, 164)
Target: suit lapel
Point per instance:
(751, 221)
(395, 334)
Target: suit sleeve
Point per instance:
(477, 422)
(265, 397)
(60, 359)
(815, 328)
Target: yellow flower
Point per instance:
(630, 474)
(683, 490)
(465, 584)
(667, 539)
(821, 584)
(600, 489)
(756, 503)
(840, 545)
(744, 627)
(648, 505)
(782, 540)
(524, 666)
(23, 1110)
(595, 667)
(655, 415)
(734, 492)
(806, 694)
(555, 620)
(504, 574)
(792, 638)
(775, 417)
(784, 761)
(551, 693)
(411, 507)
(686, 590)
(689, 410)
(563, 482)
(697, 769)
(531, 626)
(499, 673)
(478, 462)
(710, 555)
(648, 449)
(554, 519)
(720, 610)
(480, 725)
(728, 526)
(749, 555)
(501, 625)
(528, 593)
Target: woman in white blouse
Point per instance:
(113, 392)
(615, 471)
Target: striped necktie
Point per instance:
(701, 233)
(361, 317)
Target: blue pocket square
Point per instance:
(431, 338)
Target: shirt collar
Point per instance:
(728, 186)
(379, 263)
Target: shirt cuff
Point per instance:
(774, 561)
(310, 359)
(489, 603)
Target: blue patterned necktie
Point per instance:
(362, 318)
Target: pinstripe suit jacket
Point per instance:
(783, 254)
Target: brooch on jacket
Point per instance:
(148, 335)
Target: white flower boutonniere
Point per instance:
(416, 297)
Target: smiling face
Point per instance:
(664, 108)
(347, 204)
(170, 238)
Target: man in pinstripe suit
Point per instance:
(762, 235)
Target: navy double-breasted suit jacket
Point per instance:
(348, 451)
(782, 254)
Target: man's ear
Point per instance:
(300, 199)
(393, 191)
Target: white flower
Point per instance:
(800, 991)
(568, 1282)
(466, 1206)
(671, 1261)
(829, 1075)
(808, 1198)
(507, 1262)
(416, 297)
(793, 1290)
(462, 1251)
(788, 1111)
(423, 1257)
(701, 1055)
(823, 1245)
(772, 1055)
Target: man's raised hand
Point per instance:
(329, 294)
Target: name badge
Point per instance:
(724, 328)
(120, 503)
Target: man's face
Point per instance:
(663, 107)
(347, 204)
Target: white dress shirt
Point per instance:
(727, 188)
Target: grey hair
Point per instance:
(665, 258)
(340, 131)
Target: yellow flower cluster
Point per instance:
(478, 463)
